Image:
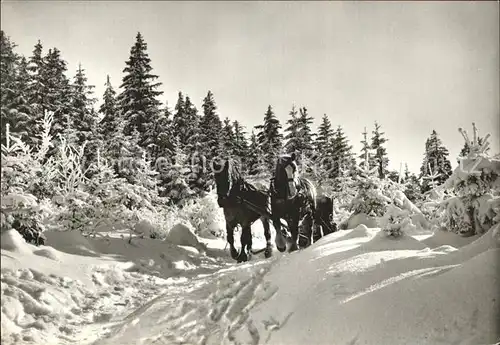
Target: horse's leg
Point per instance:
(317, 227)
(280, 239)
(230, 239)
(267, 234)
(293, 226)
(307, 227)
(246, 242)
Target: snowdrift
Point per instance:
(356, 286)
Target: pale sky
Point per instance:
(413, 67)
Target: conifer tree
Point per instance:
(342, 153)
(380, 153)
(179, 120)
(412, 187)
(256, 161)
(323, 141)
(228, 140)
(138, 102)
(36, 91)
(8, 60)
(57, 91)
(13, 98)
(435, 161)
(466, 148)
(23, 110)
(323, 146)
(269, 138)
(83, 117)
(305, 133)
(108, 111)
(241, 150)
(292, 131)
(192, 131)
(210, 128)
(299, 134)
(366, 151)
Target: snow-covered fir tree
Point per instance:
(366, 150)
(369, 199)
(179, 120)
(163, 138)
(292, 131)
(305, 133)
(299, 137)
(256, 163)
(228, 140)
(210, 128)
(324, 137)
(435, 161)
(83, 117)
(343, 158)
(138, 103)
(108, 111)
(323, 150)
(269, 138)
(15, 109)
(191, 131)
(36, 91)
(241, 150)
(174, 179)
(380, 158)
(475, 206)
(57, 91)
(412, 189)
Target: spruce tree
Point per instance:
(269, 138)
(305, 133)
(162, 142)
(292, 132)
(179, 121)
(83, 117)
(241, 150)
(15, 109)
(380, 153)
(21, 104)
(228, 140)
(210, 129)
(366, 151)
(256, 162)
(435, 161)
(36, 91)
(8, 61)
(323, 141)
(342, 153)
(323, 146)
(108, 111)
(58, 93)
(299, 134)
(192, 130)
(466, 148)
(138, 102)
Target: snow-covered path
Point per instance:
(351, 287)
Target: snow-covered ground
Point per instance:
(352, 287)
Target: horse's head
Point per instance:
(226, 175)
(285, 178)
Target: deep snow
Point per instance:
(352, 287)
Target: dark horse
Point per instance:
(323, 218)
(243, 204)
(293, 198)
